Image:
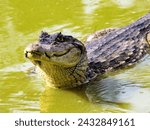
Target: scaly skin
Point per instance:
(65, 62)
(119, 48)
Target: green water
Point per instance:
(21, 22)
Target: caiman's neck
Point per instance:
(61, 77)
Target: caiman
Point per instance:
(66, 62)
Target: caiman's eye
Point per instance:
(60, 38)
(44, 38)
(44, 35)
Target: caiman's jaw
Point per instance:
(59, 57)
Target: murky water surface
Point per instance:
(21, 23)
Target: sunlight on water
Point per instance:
(22, 90)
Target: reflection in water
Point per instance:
(57, 100)
(112, 90)
(97, 97)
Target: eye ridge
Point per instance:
(79, 46)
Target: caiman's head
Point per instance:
(61, 58)
(57, 49)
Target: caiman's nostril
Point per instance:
(26, 54)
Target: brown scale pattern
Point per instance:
(120, 47)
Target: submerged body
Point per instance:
(65, 62)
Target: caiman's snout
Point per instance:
(32, 50)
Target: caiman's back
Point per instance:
(119, 48)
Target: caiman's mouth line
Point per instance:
(39, 54)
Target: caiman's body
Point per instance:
(65, 62)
